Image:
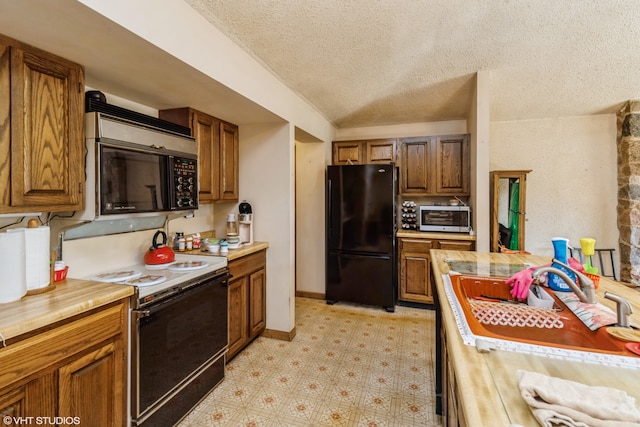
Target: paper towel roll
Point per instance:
(37, 256)
(12, 266)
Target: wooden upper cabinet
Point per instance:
(415, 166)
(452, 165)
(217, 153)
(380, 151)
(364, 152)
(434, 166)
(229, 179)
(42, 145)
(348, 153)
(204, 129)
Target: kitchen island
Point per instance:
(481, 388)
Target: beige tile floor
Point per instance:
(348, 365)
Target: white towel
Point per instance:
(560, 402)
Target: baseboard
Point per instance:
(417, 305)
(314, 295)
(279, 335)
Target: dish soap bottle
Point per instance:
(560, 245)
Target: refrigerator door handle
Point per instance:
(360, 256)
(330, 221)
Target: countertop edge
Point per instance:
(405, 234)
(234, 253)
(69, 298)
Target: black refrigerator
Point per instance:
(360, 228)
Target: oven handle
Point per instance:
(146, 312)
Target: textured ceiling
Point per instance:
(376, 62)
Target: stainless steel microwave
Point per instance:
(136, 169)
(454, 219)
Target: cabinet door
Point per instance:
(13, 403)
(45, 137)
(415, 270)
(205, 131)
(91, 387)
(380, 151)
(228, 162)
(347, 153)
(257, 302)
(414, 167)
(452, 165)
(238, 329)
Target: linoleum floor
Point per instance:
(348, 365)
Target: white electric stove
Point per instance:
(156, 280)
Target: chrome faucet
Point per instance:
(586, 292)
(623, 309)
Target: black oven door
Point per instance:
(175, 340)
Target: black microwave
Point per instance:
(455, 219)
(138, 181)
(138, 169)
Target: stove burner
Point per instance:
(158, 266)
(117, 276)
(146, 280)
(188, 265)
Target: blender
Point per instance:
(233, 240)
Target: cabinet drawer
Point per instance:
(248, 264)
(43, 350)
(456, 245)
(417, 245)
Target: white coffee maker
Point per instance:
(245, 223)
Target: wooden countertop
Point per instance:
(489, 393)
(69, 298)
(434, 235)
(244, 250)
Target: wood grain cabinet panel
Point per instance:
(94, 374)
(347, 153)
(415, 166)
(229, 177)
(218, 148)
(42, 137)
(452, 165)
(380, 151)
(71, 369)
(415, 270)
(364, 152)
(415, 266)
(238, 306)
(258, 306)
(247, 300)
(434, 166)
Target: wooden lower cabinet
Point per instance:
(75, 369)
(415, 266)
(415, 270)
(247, 300)
(452, 414)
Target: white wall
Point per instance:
(479, 131)
(310, 213)
(402, 131)
(267, 183)
(572, 189)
